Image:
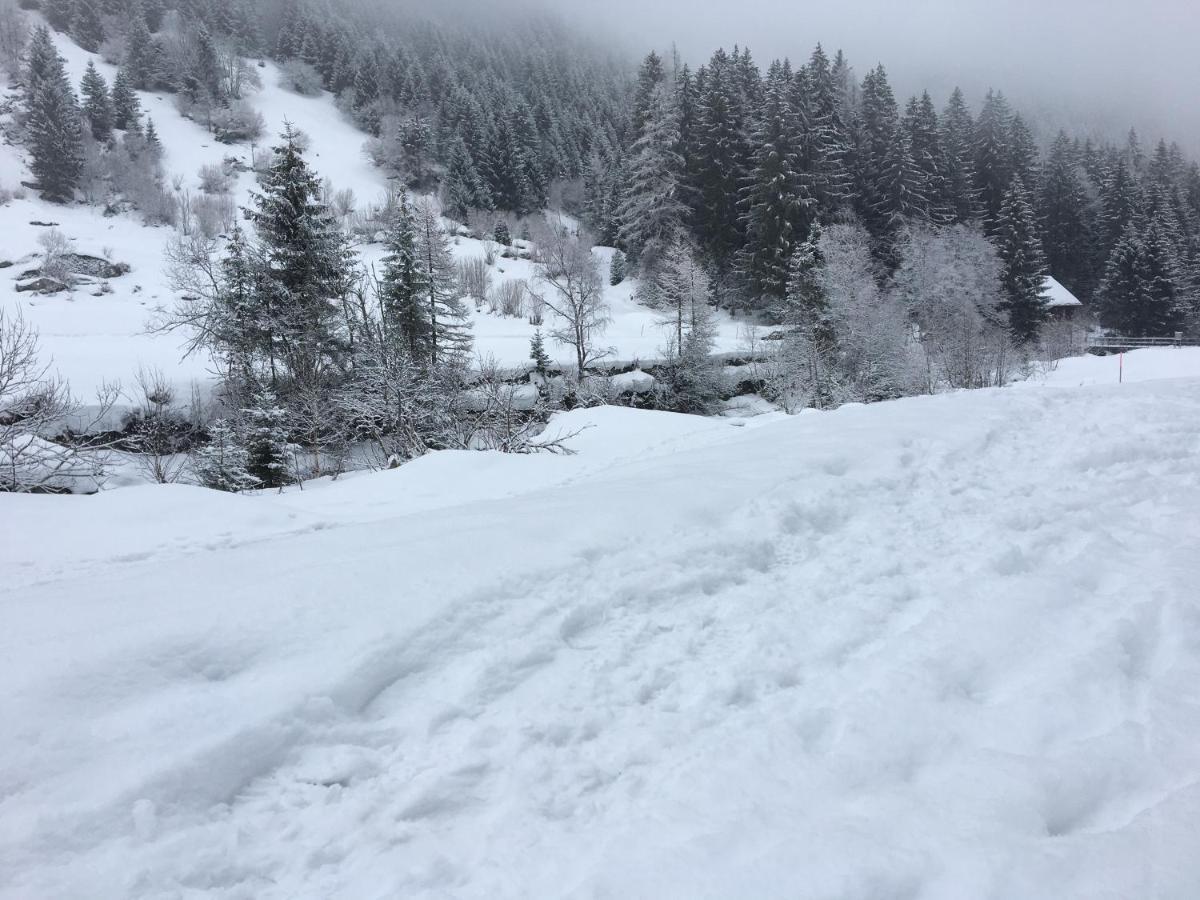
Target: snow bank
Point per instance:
(945, 647)
(1139, 365)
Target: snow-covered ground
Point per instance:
(943, 647)
(1138, 365)
(97, 339)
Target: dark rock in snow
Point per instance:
(42, 285)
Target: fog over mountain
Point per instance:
(1087, 64)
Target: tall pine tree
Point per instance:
(97, 105)
(1023, 271)
(53, 122)
(307, 266)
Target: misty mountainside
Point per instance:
(446, 454)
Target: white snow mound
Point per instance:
(945, 647)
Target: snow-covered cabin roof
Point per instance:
(1058, 296)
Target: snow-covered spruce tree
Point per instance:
(652, 207)
(306, 268)
(957, 134)
(59, 13)
(993, 156)
(55, 134)
(448, 338)
(264, 434)
(519, 182)
(141, 61)
(87, 25)
(462, 189)
(691, 375)
(235, 327)
(721, 157)
(616, 268)
(537, 353)
(895, 190)
(1023, 271)
(1069, 238)
(404, 321)
(807, 357)
(501, 234)
(153, 144)
(901, 199)
(824, 142)
(222, 464)
(651, 75)
(1139, 296)
(604, 184)
(199, 73)
(127, 109)
(1023, 153)
(923, 130)
(97, 105)
(153, 12)
(878, 127)
(777, 197)
(41, 62)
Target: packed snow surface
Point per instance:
(945, 647)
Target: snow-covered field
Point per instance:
(97, 339)
(943, 647)
(1138, 365)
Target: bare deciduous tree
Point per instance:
(158, 427)
(575, 295)
(35, 408)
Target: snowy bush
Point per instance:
(237, 123)
(261, 160)
(55, 248)
(509, 297)
(157, 205)
(221, 464)
(949, 282)
(213, 215)
(35, 407)
(215, 179)
(157, 432)
(342, 202)
(301, 78)
(474, 280)
(536, 306)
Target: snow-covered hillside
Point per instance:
(97, 338)
(941, 648)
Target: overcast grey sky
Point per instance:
(1102, 62)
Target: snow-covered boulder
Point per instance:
(635, 382)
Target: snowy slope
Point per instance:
(98, 339)
(945, 647)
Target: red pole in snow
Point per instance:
(1121, 377)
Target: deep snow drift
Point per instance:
(945, 647)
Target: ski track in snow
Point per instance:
(939, 648)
